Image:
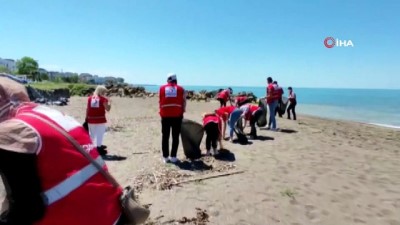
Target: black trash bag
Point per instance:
(239, 131)
(282, 106)
(191, 134)
(85, 125)
(262, 119)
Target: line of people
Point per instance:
(172, 104)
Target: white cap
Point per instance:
(171, 77)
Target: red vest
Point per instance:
(240, 99)
(213, 119)
(224, 95)
(274, 95)
(96, 113)
(172, 100)
(75, 192)
(221, 112)
(253, 109)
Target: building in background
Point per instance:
(10, 64)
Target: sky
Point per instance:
(210, 42)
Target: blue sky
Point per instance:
(210, 42)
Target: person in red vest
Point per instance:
(241, 99)
(224, 113)
(279, 93)
(97, 106)
(272, 102)
(172, 104)
(255, 112)
(225, 96)
(48, 181)
(212, 124)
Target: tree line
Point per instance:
(30, 67)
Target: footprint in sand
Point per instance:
(356, 220)
(345, 187)
(393, 222)
(309, 207)
(325, 213)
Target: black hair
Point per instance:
(290, 88)
(275, 82)
(269, 79)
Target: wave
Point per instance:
(385, 125)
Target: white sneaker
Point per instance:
(208, 153)
(173, 159)
(215, 152)
(165, 160)
(275, 129)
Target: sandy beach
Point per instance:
(315, 171)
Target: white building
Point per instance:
(9, 64)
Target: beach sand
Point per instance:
(317, 171)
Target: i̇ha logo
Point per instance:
(331, 42)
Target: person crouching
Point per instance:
(212, 125)
(255, 113)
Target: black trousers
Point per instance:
(168, 124)
(212, 133)
(292, 107)
(222, 102)
(253, 121)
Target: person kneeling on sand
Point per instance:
(212, 125)
(224, 113)
(48, 180)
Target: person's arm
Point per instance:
(107, 104)
(224, 129)
(220, 135)
(184, 100)
(19, 173)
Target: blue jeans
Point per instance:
(233, 118)
(272, 109)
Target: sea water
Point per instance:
(379, 107)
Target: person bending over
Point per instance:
(212, 125)
(224, 113)
(224, 96)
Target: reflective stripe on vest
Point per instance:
(71, 183)
(170, 105)
(95, 117)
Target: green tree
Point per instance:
(4, 69)
(28, 66)
(75, 79)
(44, 76)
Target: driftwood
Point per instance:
(209, 177)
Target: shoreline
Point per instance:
(387, 126)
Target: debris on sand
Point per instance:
(159, 179)
(200, 219)
(164, 178)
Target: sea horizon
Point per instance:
(378, 107)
